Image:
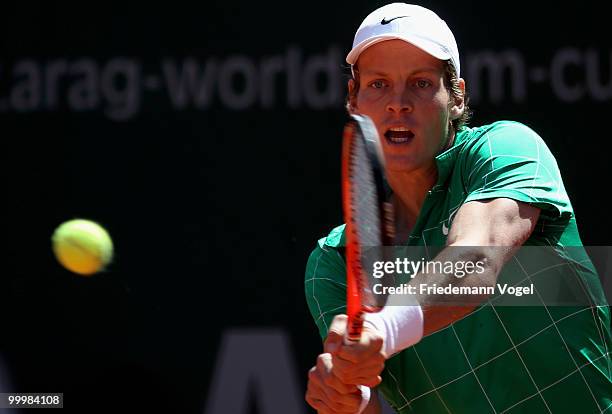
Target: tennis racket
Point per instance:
(368, 215)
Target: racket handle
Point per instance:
(355, 326)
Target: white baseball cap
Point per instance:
(414, 24)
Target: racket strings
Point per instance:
(365, 218)
(364, 197)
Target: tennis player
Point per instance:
(454, 185)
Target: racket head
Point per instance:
(368, 216)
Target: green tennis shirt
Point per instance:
(497, 359)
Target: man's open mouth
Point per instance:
(399, 135)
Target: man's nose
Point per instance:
(400, 101)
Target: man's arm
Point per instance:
(490, 231)
(483, 228)
(494, 222)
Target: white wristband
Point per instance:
(400, 326)
(365, 397)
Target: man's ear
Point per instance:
(352, 100)
(458, 104)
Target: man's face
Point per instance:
(402, 90)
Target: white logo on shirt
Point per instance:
(450, 220)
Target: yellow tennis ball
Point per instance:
(82, 246)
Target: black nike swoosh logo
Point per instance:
(387, 21)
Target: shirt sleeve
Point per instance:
(325, 286)
(510, 160)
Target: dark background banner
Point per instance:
(206, 140)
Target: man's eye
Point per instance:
(423, 83)
(378, 84)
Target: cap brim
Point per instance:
(425, 45)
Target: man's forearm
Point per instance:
(440, 310)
